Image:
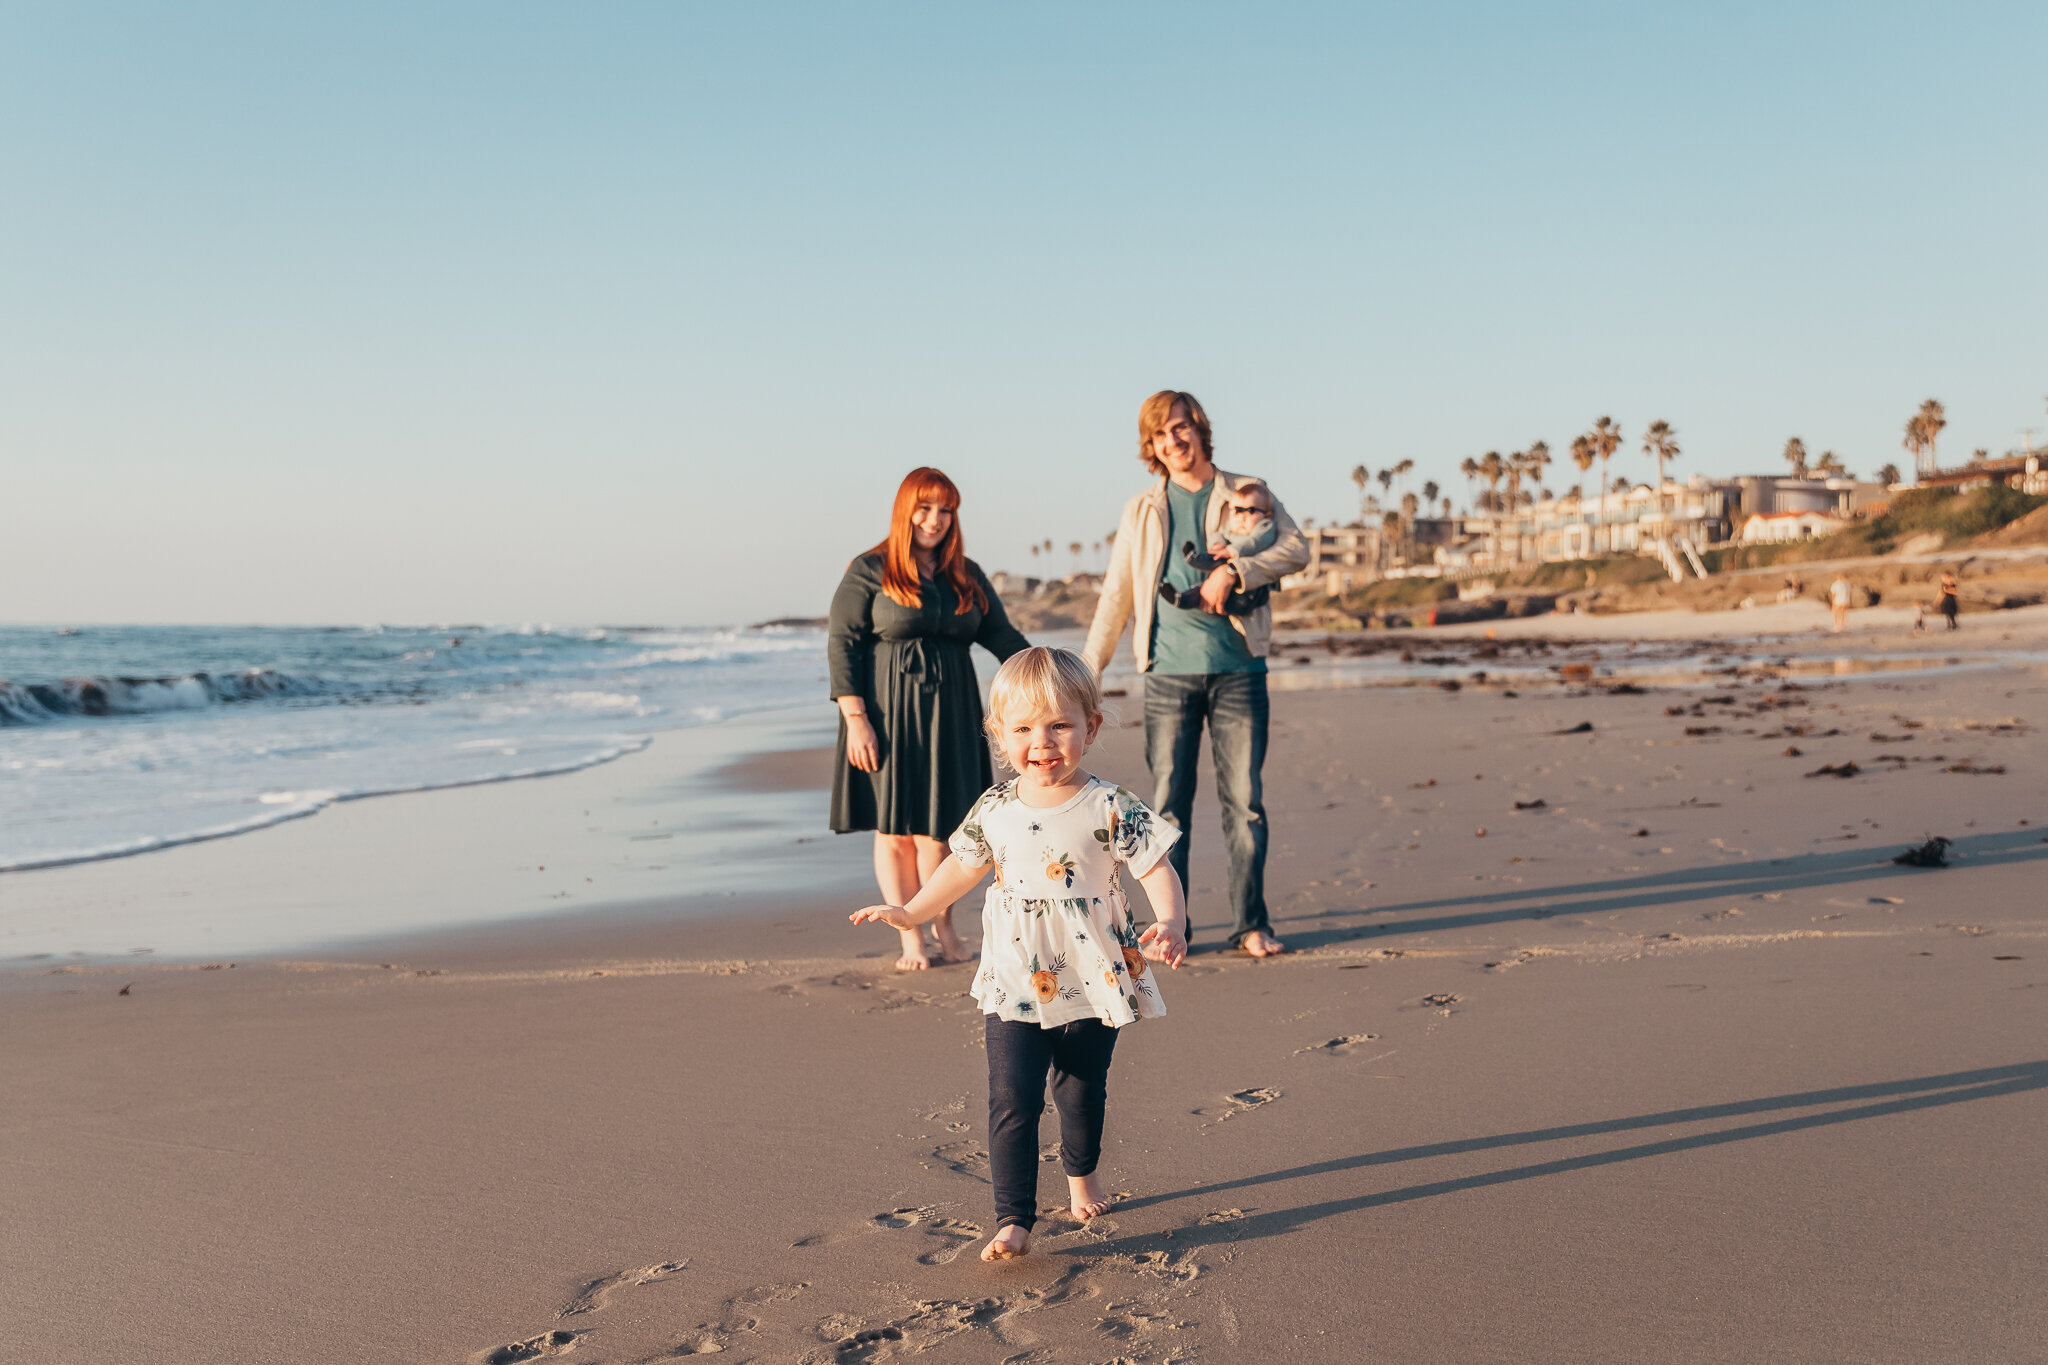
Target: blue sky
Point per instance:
(515, 312)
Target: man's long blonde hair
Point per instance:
(1152, 417)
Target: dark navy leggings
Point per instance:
(1020, 1054)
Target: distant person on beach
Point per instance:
(1839, 593)
(1200, 664)
(1063, 964)
(912, 758)
(1949, 603)
(1248, 529)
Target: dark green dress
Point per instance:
(911, 666)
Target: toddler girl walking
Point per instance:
(1063, 965)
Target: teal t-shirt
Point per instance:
(1193, 641)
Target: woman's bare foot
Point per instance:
(1085, 1196)
(915, 958)
(951, 949)
(1259, 943)
(1008, 1244)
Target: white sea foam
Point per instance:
(118, 742)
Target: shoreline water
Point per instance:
(510, 852)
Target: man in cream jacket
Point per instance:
(1202, 665)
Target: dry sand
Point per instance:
(1673, 1066)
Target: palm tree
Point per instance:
(1662, 442)
(1831, 466)
(1921, 430)
(1386, 478)
(1034, 549)
(1409, 505)
(1513, 497)
(1583, 455)
(1606, 438)
(1401, 472)
(1429, 492)
(1795, 455)
(1074, 547)
(1361, 476)
(1888, 474)
(1493, 469)
(1526, 464)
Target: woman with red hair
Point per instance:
(912, 757)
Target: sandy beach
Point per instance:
(1611, 1033)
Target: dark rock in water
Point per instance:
(1449, 684)
(1836, 770)
(1625, 690)
(1933, 853)
(1538, 804)
(1584, 727)
(1457, 613)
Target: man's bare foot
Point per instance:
(1085, 1196)
(1259, 943)
(1008, 1244)
(915, 958)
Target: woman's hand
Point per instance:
(893, 915)
(1165, 942)
(863, 750)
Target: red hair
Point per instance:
(899, 563)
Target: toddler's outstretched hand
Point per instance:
(1164, 943)
(893, 915)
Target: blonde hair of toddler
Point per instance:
(1037, 682)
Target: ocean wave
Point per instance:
(40, 703)
(296, 805)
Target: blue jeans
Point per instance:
(1235, 707)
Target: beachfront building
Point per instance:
(2022, 471)
(1344, 557)
(1773, 528)
(1683, 519)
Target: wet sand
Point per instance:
(1615, 1044)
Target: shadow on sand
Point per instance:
(1677, 886)
(1866, 1102)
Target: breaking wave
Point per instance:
(39, 703)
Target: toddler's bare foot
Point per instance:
(915, 958)
(1008, 1244)
(1085, 1196)
(1259, 943)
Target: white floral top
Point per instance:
(1058, 942)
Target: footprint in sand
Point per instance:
(1241, 1102)
(966, 1157)
(595, 1297)
(598, 1294)
(533, 1348)
(951, 1235)
(1338, 1046)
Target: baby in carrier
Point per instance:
(1248, 529)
